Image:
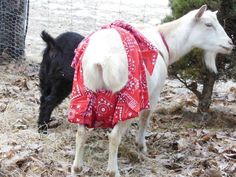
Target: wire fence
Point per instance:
(13, 27)
(57, 16)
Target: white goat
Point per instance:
(197, 29)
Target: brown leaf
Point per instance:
(212, 173)
(212, 148)
(22, 161)
(197, 173)
(173, 166)
(3, 107)
(230, 154)
(21, 82)
(233, 90)
(10, 154)
(206, 138)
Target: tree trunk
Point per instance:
(204, 99)
(13, 28)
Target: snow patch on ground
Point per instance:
(86, 16)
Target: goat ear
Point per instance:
(216, 12)
(201, 11)
(48, 39)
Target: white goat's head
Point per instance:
(209, 35)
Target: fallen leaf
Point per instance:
(173, 166)
(212, 173)
(230, 154)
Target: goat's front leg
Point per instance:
(81, 137)
(114, 142)
(143, 124)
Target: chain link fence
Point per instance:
(86, 16)
(57, 16)
(13, 28)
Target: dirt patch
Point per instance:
(180, 142)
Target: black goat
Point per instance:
(56, 73)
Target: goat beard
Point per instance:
(210, 61)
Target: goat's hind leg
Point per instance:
(114, 142)
(81, 137)
(143, 124)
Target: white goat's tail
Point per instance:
(110, 74)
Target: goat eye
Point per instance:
(209, 25)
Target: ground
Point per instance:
(180, 142)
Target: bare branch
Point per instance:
(191, 86)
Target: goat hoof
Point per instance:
(142, 148)
(112, 174)
(43, 129)
(76, 170)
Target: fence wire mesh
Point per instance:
(57, 16)
(13, 28)
(84, 17)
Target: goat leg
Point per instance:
(114, 142)
(46, 109)
(143, 124)
(81, 138)
(59, 92)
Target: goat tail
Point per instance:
(50, 41)
(111, 74)
(115, 73)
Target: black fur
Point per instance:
(56, 73)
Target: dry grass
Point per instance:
(179, 142)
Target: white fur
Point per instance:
(81, 138)
(114, 141)
(105, 65)
(210, 61)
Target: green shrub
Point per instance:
(191, 69)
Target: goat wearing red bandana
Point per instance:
(104, 106)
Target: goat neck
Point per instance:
(177, 36)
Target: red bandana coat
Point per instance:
(103, 108)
